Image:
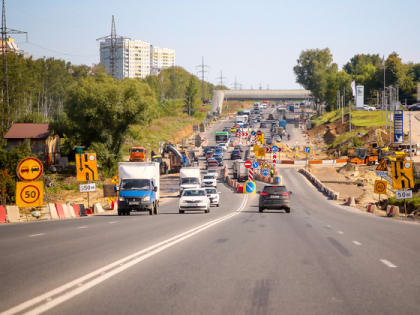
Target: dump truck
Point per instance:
(137, 154)
(138, 188)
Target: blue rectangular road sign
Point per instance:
(398, 126)
(307, 150)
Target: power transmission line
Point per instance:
(220, 78)
(112, 38)
(203, 70)
(236, 85)
(5, 32)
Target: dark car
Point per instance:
(211, 163)
(263, 125)
(414, 107)
(274, 197)
(219, 159)
(238, 148)
(209, 154)
(218, 150)
(236, 155)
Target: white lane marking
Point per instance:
(73, 288)
(83, 227)
(387, 263)
(39, 234)
(112, 222)
(340, 232)
(357, 243)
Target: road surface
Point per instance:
(319, 259)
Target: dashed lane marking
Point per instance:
(387, 263)
(340, 232)
(357, 243)
(65, 292)
(34, 235)
(83, 227)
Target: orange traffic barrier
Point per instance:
(315, 162)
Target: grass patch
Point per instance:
(326, 118)
(347, 136)
(359, 118)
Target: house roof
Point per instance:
(27, 131)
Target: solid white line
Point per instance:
(388, 263)
(81, 284)
(39, 234)
(357, 243)
(340, 232)
(83, 227)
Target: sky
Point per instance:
(257, 42)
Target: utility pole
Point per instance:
(386, 108)
(221, 78)
(203, 70)
(113, 58)
(236, 85)
(5, 32)
(409, 126)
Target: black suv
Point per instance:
(274, 197)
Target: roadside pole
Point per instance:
(409, 131)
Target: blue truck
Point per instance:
(139, 187)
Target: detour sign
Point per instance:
(29, 194)
(29, 169)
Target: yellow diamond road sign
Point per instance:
(382, 166)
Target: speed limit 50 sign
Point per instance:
(29, 194)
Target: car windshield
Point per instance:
(211, 191)
(189, 180)
(137, 184)
(208, 177)
(274, 189)
(191, 193)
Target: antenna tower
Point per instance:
(5, 32)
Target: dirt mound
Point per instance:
(349, 170)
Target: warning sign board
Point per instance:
(380, 186)
(402, 174)
(29, 194)
(86, 167)
(382, 166)
(29, 169)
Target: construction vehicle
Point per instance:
(361, 157)
(137, 154)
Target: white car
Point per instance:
(194, 200)
(209, 180)
(368, 108)
(214, 197)
(224, 146)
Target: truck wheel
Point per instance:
(260, 209)
(181, 211)
(151, 211)
(156, 209)
(128, 212)
(119, 212)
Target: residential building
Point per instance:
(135, 58)
(132, 58)
(161, 58)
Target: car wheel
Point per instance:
(127, 212)
(151, 211)
(119, 212)
(156, 210)
(217, 205)
(287, 210)
(181, 211)
(207, 210)
(260, 209)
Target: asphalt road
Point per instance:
(319, 259)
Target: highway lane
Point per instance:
(271, 263)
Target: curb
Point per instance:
(333, 195)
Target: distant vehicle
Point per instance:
(189, 177)
(282, 123)
(268, 141)
(368, 108)
(212, 163)
(218, 150)
(270, 117)
(209, 154)
(240, 172)
(194, 200)
(223, 145)
(209, 180)
(414, 107)
(213, 196)
(139, 186)
(263, 125)
(274, 197)
(236, 155)
(241, 119)
(212, 171)
(137, 154)
(219, 159)
(238, 147)
(222, 136)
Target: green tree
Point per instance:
(312, 71)
(191, 99)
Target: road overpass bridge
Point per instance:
(257, 95)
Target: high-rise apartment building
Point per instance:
(135, 58)
(161, 58)
(131, 60)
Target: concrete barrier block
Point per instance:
(60, 210)
(97, 208)
(371, 208)
(392, 211)
(70, 210)
(13, 214)
(76, 209)
(66, 211)
(3, 215)
(350, 202)
(53, 211)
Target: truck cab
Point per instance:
(137, 154)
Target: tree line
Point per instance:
(316, 71)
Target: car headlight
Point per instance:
(121, 199)
(147, 198)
